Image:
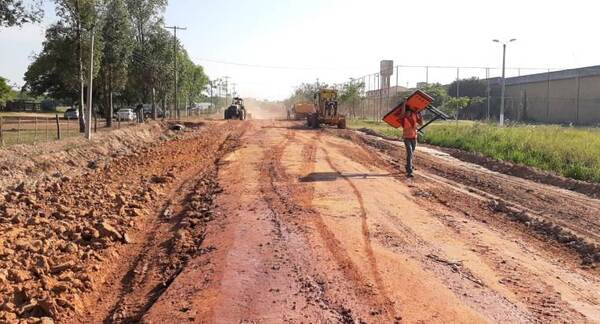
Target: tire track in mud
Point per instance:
(541, 298)
(548, 213)
(279, 203)
(366, 238)
(287, 196)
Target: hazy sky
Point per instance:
(289, 42)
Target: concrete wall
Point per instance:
(570, 100)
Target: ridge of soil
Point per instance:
(589, 189)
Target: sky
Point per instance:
(267, 48)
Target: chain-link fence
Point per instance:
(532, 95)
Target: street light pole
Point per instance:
(503, 92)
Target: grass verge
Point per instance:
(568, 151)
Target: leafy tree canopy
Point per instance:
(472, 87)
(16, 13)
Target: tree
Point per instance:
(472, 87)
(438, 92)
(350, 94)
(6, 92)
(305, 92)
(81, 17)
(14, 13)
(192, 81)
(54, 71)
(145, 20)
(118, 48)
(157, 66)
(454, 105)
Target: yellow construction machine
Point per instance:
(326, 110)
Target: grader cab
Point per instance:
(326, 113)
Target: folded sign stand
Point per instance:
(417, 102)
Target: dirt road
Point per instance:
(268, 222)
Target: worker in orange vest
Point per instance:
(410, 122)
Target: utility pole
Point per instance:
(210, 84)
(226, 89)
(219, 88)
(175, 29)
(88, 115)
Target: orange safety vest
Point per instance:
(410, 126)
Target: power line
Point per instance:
(283, 67)
(274, 67)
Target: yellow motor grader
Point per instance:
(326, 110)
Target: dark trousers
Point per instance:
(410, 145)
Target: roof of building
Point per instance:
(551, 76)
(393, 89)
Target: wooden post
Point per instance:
(35, 121)
(18, 130)
(57, 128)
(95, 123)
(1, 135)
(118, 121)
(46, 127)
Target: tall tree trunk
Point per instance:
(80, 62)
(106, 97)
(109, 118)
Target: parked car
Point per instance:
(126, 114)
(71, 113)
(148, 111)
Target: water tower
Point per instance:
(386, 70)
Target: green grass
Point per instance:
(571, 152)
(31, 137)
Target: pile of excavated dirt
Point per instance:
(74, 156)
(61, 234)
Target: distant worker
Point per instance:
(139, 112)
(410, 122)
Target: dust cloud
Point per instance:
(259, 109)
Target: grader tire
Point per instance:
(313, 121)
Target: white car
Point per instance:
(126, 114)
(71, 113)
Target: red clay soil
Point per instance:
(265, 221)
